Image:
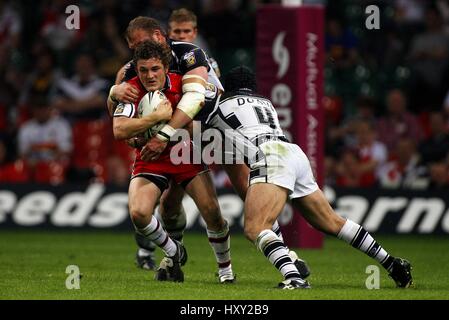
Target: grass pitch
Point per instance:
(33, 266)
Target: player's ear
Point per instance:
(158, 36)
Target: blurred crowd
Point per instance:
(386, 91)
(54, 81)
(386, 95)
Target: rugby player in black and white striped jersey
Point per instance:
(280, 171)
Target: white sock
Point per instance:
(159, 236)
(220, 242)
(359, 238)
(274, 249)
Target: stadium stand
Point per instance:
(360, 63)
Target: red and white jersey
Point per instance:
(374, 152)
(161, 169)
(172, 90)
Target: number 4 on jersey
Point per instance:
(265, 116)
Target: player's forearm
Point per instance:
(193, 88)
(112, 102)
(179, 119)
(193, 91)
(125, 128)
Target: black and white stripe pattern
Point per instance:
(360, 239)
(277, 229)
(258, 173)
(159, 236)
(274, 249)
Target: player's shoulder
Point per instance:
(174, 82)
(128, 71)
(180, 48)
(187, 56)
(174, 77)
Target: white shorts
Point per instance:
(285, 165)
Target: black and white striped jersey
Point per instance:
(245, 120)
(251, 115)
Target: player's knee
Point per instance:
(333, 224)
(139, 216)
(251, 232)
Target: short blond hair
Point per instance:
(183, 15)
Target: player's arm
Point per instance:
(121, 92)
(126, 127)
(193, 96)
(193, 88)
(112, 101)
(194, 66)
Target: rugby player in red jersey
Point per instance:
(150, 179)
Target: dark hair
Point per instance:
(240, 78)
(148, 24)
(152, 49)
(183, 15)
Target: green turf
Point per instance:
(33, 264)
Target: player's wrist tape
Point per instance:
(166, 133)
(111, 96)
(194, 90)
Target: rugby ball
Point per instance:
(147, 105)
